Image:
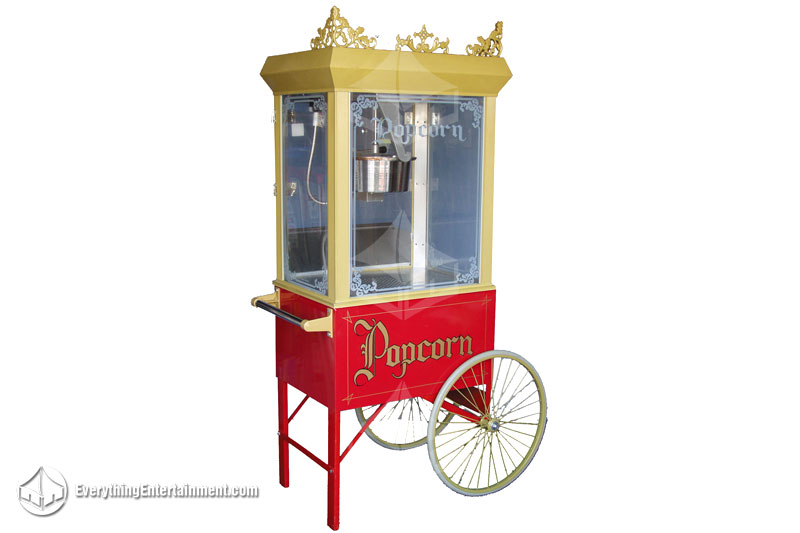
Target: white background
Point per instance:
(646, 258)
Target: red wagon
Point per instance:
(383, 294)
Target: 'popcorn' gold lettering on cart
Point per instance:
(377, 337)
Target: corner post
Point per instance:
(490, 107)
(339, 197)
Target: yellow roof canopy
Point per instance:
(390, 71)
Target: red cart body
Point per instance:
(382, 352)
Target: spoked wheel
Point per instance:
(401, 425)
(498, 429)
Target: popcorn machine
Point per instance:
(383, 297)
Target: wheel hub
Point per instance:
(491, 424)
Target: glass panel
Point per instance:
(415, 191)
(305, 190)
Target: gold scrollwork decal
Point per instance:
(376, 346)
(490, 46)
(337, 32)
(368, 348)
(423, 35)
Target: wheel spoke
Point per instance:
(456, 437)
(394, 407)
(480, 462)
(520, 418)
(471, 400)
(523, 401)
(492, 462)
(517, 431)
(410, 423)
(508, 443)
(403, 410)
(421, 414)
(459, 430)
(461, 448)
(465, 462)
(494, 383)
(510, 381)
(401, 425)
(474, 402)
(512, 463)
(500, 445)
(523, 407)
(514, 438)
(514, 395)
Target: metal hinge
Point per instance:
(273, 116)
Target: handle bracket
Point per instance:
(319, 324)
(272, 299)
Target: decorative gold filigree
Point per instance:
(337, 32)
(423, 35)
(491, 46)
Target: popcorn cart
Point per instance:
(384, 299)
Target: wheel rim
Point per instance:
(477, 458)
(401, 425)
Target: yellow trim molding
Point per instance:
(304, 292)
(381, 298)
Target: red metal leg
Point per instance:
(333, 468)
(283, 430)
